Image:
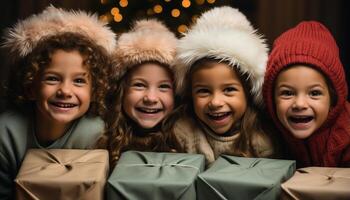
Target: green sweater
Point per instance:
(16, 136)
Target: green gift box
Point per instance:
(150, 175)
(233, 177)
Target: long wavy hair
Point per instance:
(249, 124)
(24, 72)
(119, 135)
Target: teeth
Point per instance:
(218, 116)
(149, 110)
(64, 105)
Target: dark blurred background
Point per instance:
(270, 17)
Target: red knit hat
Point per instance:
(312, 44)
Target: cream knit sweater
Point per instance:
(203, 141)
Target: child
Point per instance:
(61, 62)
(305, 92)
(221, 62)
(142, 95)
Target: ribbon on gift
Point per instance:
(162, 165)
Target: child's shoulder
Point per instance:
(14, 129)
(185, 125)
(15, 119)
(86, 132)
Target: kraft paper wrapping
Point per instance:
(321, 183)
(156, 176)
(232, 177)
(62, 174)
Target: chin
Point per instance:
(301, 135)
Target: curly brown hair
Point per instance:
(119, 135)
(95, 58)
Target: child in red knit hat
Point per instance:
(305, 93)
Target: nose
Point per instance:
(150, 97)
(64, 91)
(216, 101)
(300, 102)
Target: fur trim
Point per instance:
(148, 40)
(25, 35)
(225, 34)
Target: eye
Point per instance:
(286, 93)
(165, 87)
(230, 89)
(315, 93)
(80, 81)
(51, 79)
(202, 92)
(138, 85)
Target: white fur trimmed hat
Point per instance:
(25, 35)
(148, 40)
(224, 33)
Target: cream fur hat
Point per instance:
(148, 40)
(25, 35)
(224, 33)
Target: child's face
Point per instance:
(149, 96)
(302, 100)
(218, 97)
(63, 90)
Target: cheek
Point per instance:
(199, 106)
(168, 101)
(281, 109)
(131, 97)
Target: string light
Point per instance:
(150, 11)
(167, 0)
(186, 3)
(200, 2)
(104, 1)
(123, 3)
(104, 18)
(182, 28)
(118, 17)
(158, 8)
(114, 11)
(194, 18)
(211, 1)
(175, 12)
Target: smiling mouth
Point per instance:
(301, 119)
(63, 105)
(218, 116)
(149, 110)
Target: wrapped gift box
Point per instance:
(318, 183)
(150, 175)
(62, 174)
(233, 177)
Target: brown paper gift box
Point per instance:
(62, 174)
(318, 183)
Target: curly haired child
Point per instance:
(305, 92)
(61, 61)
(142, 94)
(220, 67)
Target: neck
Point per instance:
(231, 132)
(144, 132)
(47, 131)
